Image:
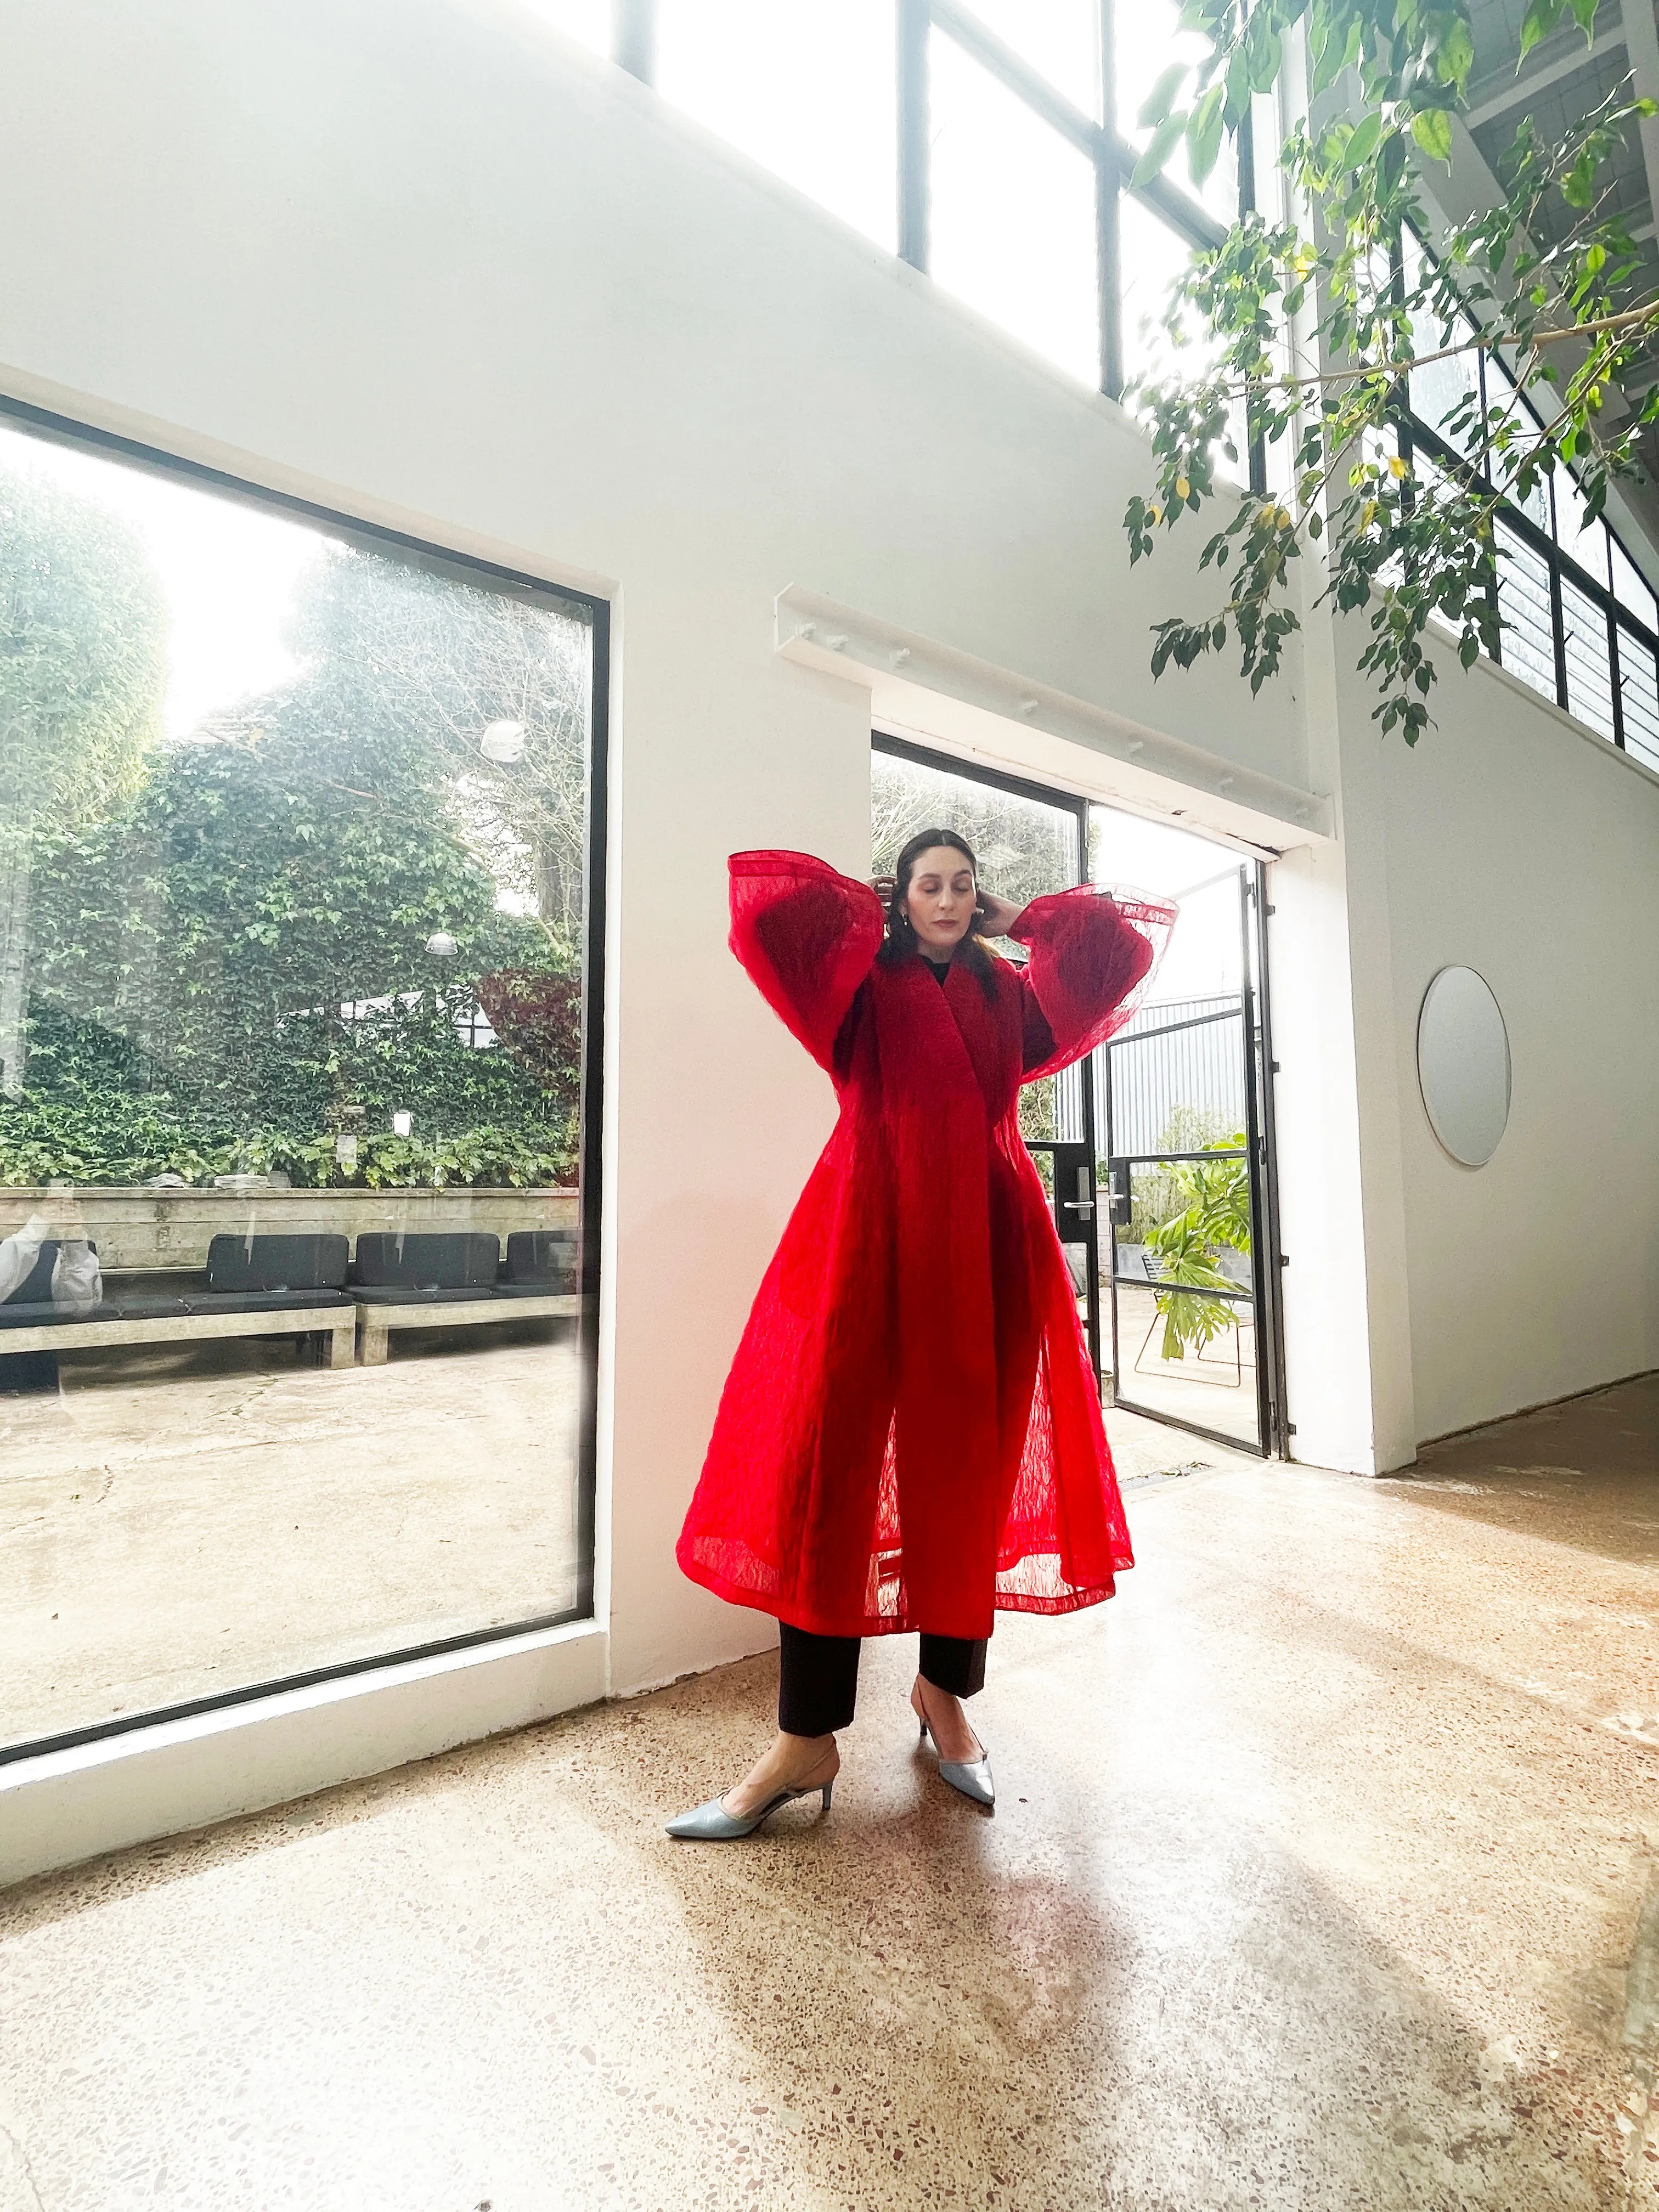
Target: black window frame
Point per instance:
(464, 568)
(1417, 436)
(1112, 157)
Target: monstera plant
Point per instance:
(1216, 1218)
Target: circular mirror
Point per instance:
(1463, 1065)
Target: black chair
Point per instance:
(425, 1266)
(251, 1274)
(540, 1260)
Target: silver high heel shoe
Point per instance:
(972, 1776)
(713, 1824)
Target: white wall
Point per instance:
(420, 261)
(1517, 845)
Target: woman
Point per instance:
(910, 1435)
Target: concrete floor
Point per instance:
(182, 1520)
(1204, 1388)
(1325, 1874)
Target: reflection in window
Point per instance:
(807, 91)
(1638, 698)
(1631, 588)
(1579, 539)
(1523, 603)
(1012, 213)
(1059, 38)
(295, 859)
(1446, 394)
(1590, 669)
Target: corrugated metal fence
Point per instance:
(1159, 1069)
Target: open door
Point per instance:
(1171, 1119)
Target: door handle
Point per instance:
(1119, 1196)
(1084, 1203)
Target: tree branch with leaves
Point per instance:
(1545, 281)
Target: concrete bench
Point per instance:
(180, 1321)
(378, 1315)
(452, 1281)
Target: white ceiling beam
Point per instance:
(1642, 44)
(1516, 93)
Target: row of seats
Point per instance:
(249, 1274)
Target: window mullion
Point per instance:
(1108, 183)
(914, 21)
(634, 37)
(1559, 626)
(1615, 680)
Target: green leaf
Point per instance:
(1204, 133)
(1163, 139)
(1264, 53)
(1584, 14)
(1578, 185)
(1155, 108)
(1454, 57)
(1433, 132)
(1362, 144)
(1541, 18)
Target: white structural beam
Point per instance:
(915, 683)
(1519, 90)
(1642, 44)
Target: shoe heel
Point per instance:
(829, 1792)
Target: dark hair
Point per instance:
(900, 941)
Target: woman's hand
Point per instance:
(997, 915)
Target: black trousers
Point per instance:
(819, 1675)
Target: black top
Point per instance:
(941, 968)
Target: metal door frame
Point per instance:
(1253, 1015)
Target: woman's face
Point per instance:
(940, 899)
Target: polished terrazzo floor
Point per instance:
(1325, 1874)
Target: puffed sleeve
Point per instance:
(807, 938)
(1092, 955)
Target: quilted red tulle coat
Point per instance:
(910, 1435)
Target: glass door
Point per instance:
(1191, 1244)
(1029, 840)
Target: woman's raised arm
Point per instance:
(807, 937)
(1092, 955)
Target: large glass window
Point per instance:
(1059, 40)
(297, 908)
(1012, 213)
(968, 136)
(1146, 38)
(804, 89)
(1579, 618)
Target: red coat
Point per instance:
(910, 1435)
